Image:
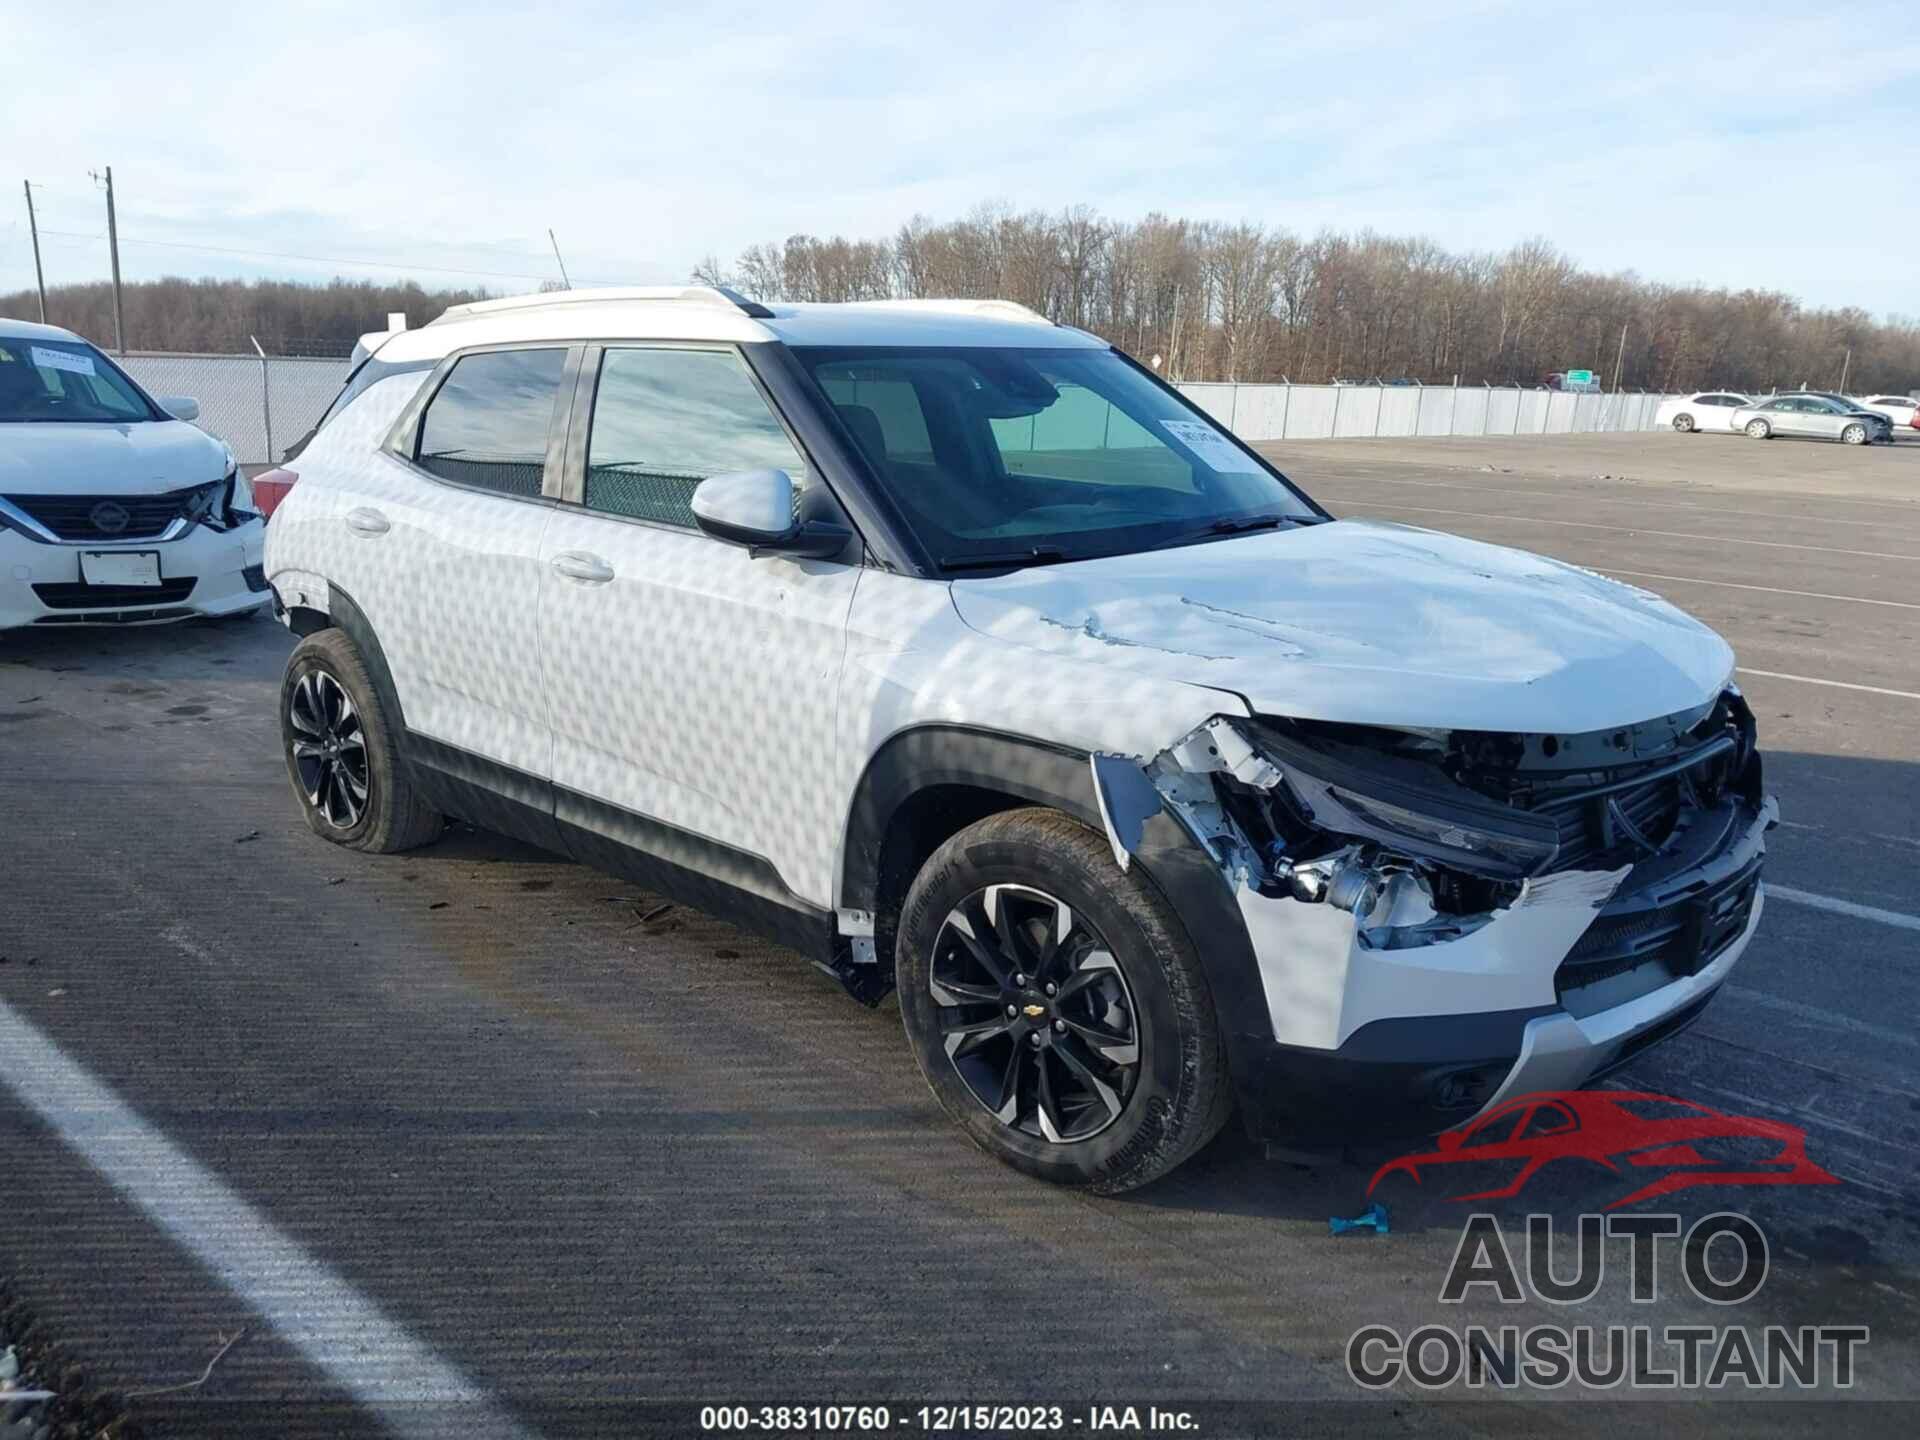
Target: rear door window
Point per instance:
(487, 425)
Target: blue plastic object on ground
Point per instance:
(1375, 1220)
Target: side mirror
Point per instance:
(755, 508)
(180, 407)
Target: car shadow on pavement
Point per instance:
(241, 647)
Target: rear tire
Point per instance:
(338, 743)
(1854, 435)
(1759, 430)
(1683, 423)
(1014, 1062)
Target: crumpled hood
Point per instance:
(1371, 624)
(82, 459)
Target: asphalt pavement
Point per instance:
(473, 1140)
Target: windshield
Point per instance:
(1019, 456)
(54, 380)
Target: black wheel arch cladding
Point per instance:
(1012, 771)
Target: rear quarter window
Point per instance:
(367, 374)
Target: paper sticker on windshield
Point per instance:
(62, 360)
(1219, 453)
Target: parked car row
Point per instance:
(1813, 413)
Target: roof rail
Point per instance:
(551, 299)
(998, 309)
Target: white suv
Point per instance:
(959, 652)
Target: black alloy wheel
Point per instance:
(329, 748)
(1035, 1013)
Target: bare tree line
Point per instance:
(1214, 301)
(219, 316)
(1247, 302)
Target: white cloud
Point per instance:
(1729, 144)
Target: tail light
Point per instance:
(270, 487)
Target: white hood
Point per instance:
(87, 459)
(1369, 624)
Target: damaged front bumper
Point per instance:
(1386, 1015)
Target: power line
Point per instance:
(326, 259)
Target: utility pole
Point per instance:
(113, 248)
(1619, 356)
(33, 227)
(1845, 366)
(556, 255)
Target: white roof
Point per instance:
(27, 330)
(694, 312)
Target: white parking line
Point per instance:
(1832, 684)
(1668, 534)
(332, 1325)
(1844, 907)
(1635, 498)
(1816, 1013)
(1764, 589)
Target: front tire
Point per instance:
(1683, 423)
(338, 743)
(1758, 430)
(1056, 1007)
(1854, 435)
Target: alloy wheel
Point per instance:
(1035, 1013)
(329, 749)
(1683, 423)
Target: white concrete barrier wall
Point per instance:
(1321, 412)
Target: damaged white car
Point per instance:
(114, 510)
(956, 650)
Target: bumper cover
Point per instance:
(40, 584)
(1401, 1077)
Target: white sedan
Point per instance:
(1708, 410)
(1903, 410)
(113, 509)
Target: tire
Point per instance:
(345, 776)
(1759, 430)
(1683, 423)
(1854, 435)
(1124, 969)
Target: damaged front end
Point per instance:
(1425, 906)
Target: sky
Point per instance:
(1747, 145)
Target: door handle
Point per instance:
(578, 565)
(363, 520)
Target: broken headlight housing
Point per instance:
(222, 504)
(1458, 830)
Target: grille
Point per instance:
(1591, 832)
(1604, 825)
(75, 596)
(71, 516)
(114, 617)
(1683, 938)
(256, 577)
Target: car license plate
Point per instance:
(120, 567)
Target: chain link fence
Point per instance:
(258, 404)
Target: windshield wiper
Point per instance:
(1236, 525)
(1005, 559)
